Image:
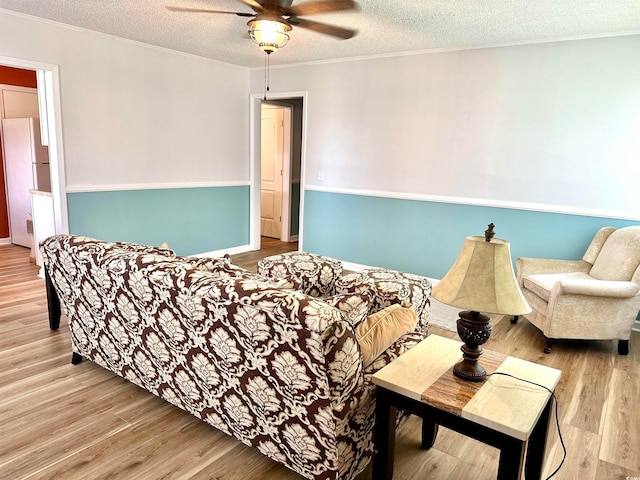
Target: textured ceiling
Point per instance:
(385, 26)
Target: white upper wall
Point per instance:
(552, 124)
(135, 114)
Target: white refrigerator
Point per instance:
(26, 164)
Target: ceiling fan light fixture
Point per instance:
(269, 32)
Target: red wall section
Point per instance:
(21, 78)
(17, 76)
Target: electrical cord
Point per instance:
(555, 399)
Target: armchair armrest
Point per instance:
(532, 266)
(598, 288)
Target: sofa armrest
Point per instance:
(344, 364)
(598, 288)
(326, 338)
(532, 266)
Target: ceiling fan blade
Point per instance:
(257, 7)
(323, 6)
(206, 10)
(325, 28)
(283, 3)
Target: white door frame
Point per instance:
(254, 170)
(51, 122)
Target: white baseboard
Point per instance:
(223, 252)
(5, 241)
(358, 267)
(354, 267)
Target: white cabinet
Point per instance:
(43, 223)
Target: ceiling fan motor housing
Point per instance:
(269, 31)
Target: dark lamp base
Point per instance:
(470, 371)
(474, 329)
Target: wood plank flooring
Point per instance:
(60, 421)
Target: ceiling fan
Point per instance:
(273, 19)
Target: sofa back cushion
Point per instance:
(619, 257)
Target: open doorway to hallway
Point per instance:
(280, 167)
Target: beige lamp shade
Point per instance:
(482, 280)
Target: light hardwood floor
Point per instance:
(60, 421)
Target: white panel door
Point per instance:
(272, 140)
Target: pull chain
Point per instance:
(266, 75)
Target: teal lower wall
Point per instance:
(190, 220)
(425, 237)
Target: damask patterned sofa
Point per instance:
(277, 369)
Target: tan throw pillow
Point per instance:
(380, 330)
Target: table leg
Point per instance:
(384, 437)
(511, 460)
(537, 444)
(429, 433)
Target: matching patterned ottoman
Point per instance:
(309, 273)
(388, 287)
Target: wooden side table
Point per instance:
(503, 412)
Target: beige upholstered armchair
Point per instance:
(596, 298)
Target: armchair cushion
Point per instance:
(542, 284)
(532, 266)
(578, 284)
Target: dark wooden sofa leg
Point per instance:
(514, 319)
(623, 347)
(547, 348)
(76, 358)
(53, 302)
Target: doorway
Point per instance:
(277, 133)
(274, 155)
(50, 120)
(280, 172)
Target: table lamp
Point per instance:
(481, 280)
